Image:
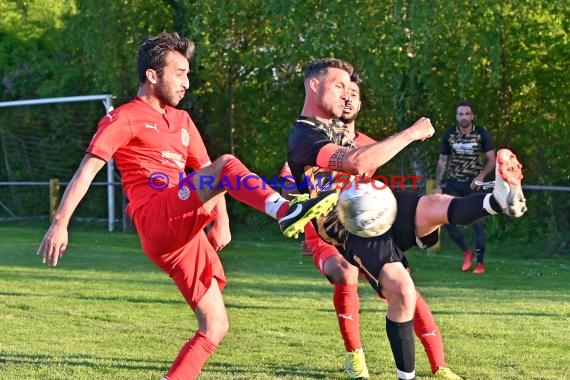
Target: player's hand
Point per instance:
(473, 185)
(422, 129)
(219, 235)
(53, 245)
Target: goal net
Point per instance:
(45, 139)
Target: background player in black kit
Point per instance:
(463, 146)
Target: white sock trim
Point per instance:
(273, 203)
(406, 375)
(487, 205)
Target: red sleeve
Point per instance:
(328, 157)
(197, 153)
(286, 171)
(362, 140)
(114, 131)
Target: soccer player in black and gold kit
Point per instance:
(320, 149)
(464, 147)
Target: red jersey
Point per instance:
(360, 139)
(143, 141)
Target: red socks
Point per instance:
(191, 358)
(428, 333)
(249, 188)
(347, 307)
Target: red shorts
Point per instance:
(170, 227)
(321, 250)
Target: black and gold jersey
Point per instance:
(465, 152)
(306, 139)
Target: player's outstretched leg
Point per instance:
(302, 210)
(508, 190)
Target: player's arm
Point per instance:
(370, 157)
(440, 171)
(55, 240)
(219, 234)
(488, 168)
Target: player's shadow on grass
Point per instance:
(227, 371)
(82, 360)
(468, 313)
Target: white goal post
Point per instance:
(107, 100)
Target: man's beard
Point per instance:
(164, 97)
(349, 119)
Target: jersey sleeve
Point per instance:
(444, 147)
(113, 131)
(304, 145)
(197, 153)
(486, 141)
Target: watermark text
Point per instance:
(161, 181)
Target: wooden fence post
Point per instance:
(53, 197)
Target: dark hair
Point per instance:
(320, 67)
(463, 103)
(152, 52)
(356, 78)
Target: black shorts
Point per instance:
(370, 254)
(458, 188)
(404, 227)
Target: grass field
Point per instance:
(107, 313)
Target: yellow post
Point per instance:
(430, 187)
(53, 196)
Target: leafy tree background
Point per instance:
(418, 58)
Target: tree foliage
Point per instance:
(509, 58)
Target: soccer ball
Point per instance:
(366, 208)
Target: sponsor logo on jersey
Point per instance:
(465, 148)
(185, 137)
(176, 158)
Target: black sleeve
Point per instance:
(304, 145)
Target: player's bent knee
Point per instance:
(216, 328)
(223, 159)
(340, 271)
(432, 210)
(435, 201)
(397, 285)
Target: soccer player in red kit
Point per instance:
(153, 144)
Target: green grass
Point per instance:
(107, 313)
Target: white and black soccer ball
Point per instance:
(366, 209)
